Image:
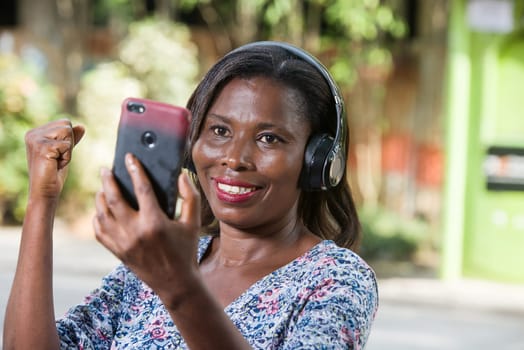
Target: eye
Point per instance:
(219, 130)
(270, 138)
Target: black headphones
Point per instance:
(325, 155)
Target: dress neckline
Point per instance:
(245, 296)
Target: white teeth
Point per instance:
(235, 189)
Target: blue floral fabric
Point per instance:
(325, 299)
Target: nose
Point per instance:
(239, 155)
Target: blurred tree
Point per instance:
(156, 60)
(346, 33)
(72, 23)
(352, 37)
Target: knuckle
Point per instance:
(111, 201)
(101, 217)
(144, 189)
(28, 136)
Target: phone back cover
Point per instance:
(157, 138)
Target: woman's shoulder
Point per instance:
(328, 252)
(327, 260)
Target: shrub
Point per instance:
(27, 99)
(389, 236)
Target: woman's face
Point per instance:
(250, 151)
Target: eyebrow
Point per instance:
(218, 116)
(263, 125)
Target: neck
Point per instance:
(237, 247)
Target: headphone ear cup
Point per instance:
(316, 163)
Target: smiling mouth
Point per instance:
(235, 189)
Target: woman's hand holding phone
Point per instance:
(159, 250)
(135, 209)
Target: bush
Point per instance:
(388, 236)
(27, 99)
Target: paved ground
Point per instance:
(414, 314)
(419, 314)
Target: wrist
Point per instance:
(37, 199)
(41, 209)
(189, 289)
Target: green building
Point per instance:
(484, 196)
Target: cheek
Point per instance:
(203, 155)
(286, 168)
(200, 160)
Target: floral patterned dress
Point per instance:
(325, 299)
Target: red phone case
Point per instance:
(155, 133)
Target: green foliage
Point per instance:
(27, 99)
(190, 4)
(359, 31)
(388, 236)
(277, 10)
(124, 10)
(161, 55)
(362, 20)
(351, 33)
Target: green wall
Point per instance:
(483, 229)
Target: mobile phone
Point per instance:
(155, 133)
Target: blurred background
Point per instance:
(433, 93)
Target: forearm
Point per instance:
(30, 321)
(203, 323)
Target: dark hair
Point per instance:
(329, 214)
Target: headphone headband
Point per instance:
(327, 172)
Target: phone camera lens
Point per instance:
(149, 139)
(136, 107)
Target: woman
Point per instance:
(266, 273)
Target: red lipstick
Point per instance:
(233, 191)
